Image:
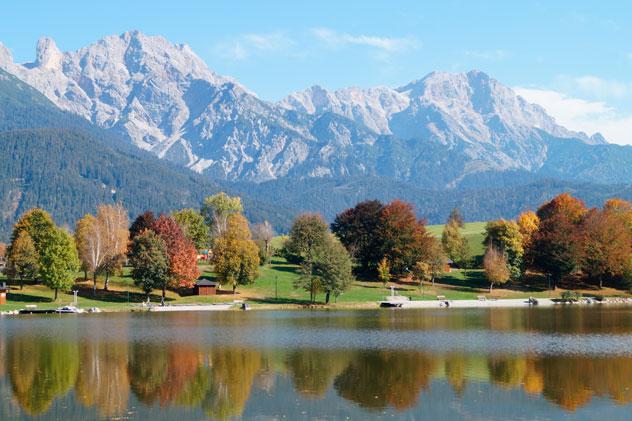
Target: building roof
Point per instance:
(203, 282)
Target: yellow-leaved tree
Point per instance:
(235, 254)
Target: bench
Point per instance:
(441, 297)
(481, 297)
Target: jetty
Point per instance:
(190, 307)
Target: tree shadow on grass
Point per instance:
(288, 269)
(19, 297)
(119, 296)
(272, 300)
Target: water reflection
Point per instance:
(114, 374)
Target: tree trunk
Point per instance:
(601, 282)
(234, 288)
(21, 283)
(94, 283)
(433, 281)
(164, 293)
(107, 281)
(55, 294)
(85, 274)
(491, 285)
(327, 298)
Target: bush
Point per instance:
(570, 296)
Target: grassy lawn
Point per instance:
(472, 231)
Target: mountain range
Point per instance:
(445, 135)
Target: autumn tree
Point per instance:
(181, 252)
(141, 223)
(495, 265)
(91, 245)
(235, 256)
(217, 209)
(193, 227)
(102, 241)
(404, 236)
(384, 271)
(528, 223)
(114, 220)
(58, 260)
(3, 251)
(421, 272)
(455, 245)
(23, 261)
(607, 244)
(436, 260)
(506, 236)
(358, 230)
(150, 263)
(556, 246)
(263, 234)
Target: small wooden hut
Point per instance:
(205, 286)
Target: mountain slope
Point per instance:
(58, 161)
(441, 131)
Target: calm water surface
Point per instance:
(439, 364)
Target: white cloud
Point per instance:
(246, 45)
(582, 115)
(336, 39)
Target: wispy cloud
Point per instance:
(602, 88)
(488, 55)
(335, 39)
(582, 115)
(247, 45)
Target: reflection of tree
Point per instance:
(222, 385)
(41, 370)
(313, 371)
(507, 372)
(455, 365)
(102, 380)
(377, 379)
(147, 370)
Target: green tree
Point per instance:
(235, 255)
(507, 237)
(216, 210)
(23, 260)
(308, 232)
(330, 270)
(193, 226)
(150, 263)
(58, 260)
(454, 244)
(38, 224)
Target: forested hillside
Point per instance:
(60, 162)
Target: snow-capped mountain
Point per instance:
(435, 131)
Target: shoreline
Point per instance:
(369, 305)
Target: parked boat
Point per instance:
(68, 310)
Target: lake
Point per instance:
(546, 363)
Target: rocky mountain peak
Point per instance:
(47, 55)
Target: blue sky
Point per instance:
(572, 57)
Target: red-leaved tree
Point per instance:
(181, 252)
